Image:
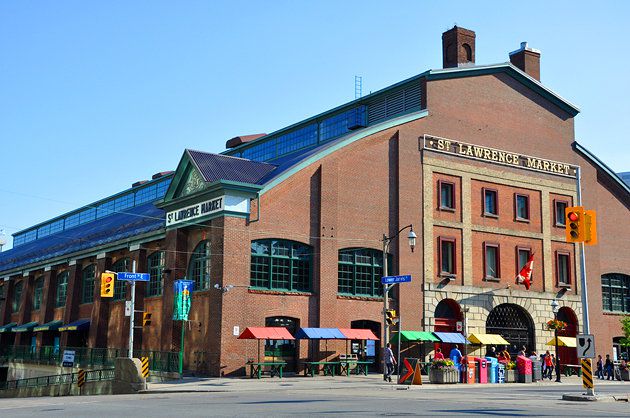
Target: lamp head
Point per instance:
(412, 239)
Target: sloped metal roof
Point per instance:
(215, 167)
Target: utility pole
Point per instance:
(133, 310)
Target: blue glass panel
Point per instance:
(87, 215)
(146, 194)
(72, 221)
(43, 231)
(105, 209)
(56, 226)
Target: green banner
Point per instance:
(183, 299)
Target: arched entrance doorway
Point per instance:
(285, 350)
(447, 314)
(514, 324)
(568, 355)
(367, 350)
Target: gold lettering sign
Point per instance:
(478, 152)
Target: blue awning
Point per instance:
(320, 334)
(28, 327)
(50, 326)
(7, 327)
(451, 337)
(80, 325)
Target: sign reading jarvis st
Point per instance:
(195, 211)
(478, 152)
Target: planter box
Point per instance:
(510, 376)
(445, 375)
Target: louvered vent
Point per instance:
(394, 104)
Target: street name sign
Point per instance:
(586, 346)
(134, 277)
(68, 358)
(395, 279)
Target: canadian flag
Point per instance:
(525, 275)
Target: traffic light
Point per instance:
(146, 319)
(590, 227)
(391, 317)
(107, 285)
(575, 222)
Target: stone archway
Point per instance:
(514, 324)
(568, 355)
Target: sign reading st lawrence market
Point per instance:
(195, 211)
(478, 152)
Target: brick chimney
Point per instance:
(527, 59)
(458, 47)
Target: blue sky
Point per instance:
(97, 95)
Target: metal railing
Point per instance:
(160, 361)
(59, 379)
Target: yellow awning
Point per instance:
(564, 342)
(487, 339)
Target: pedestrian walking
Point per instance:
(390, 362)
(608, 367)
(438, 354)
(600, 367)
(455, 354)
(492, 352)
(548, 372)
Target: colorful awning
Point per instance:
(320, 334)
(80, 325)
(28, 327)
(50, 326)
(451, 337)
(358, 334)
(266, 333)
(8, 327)
(416, 336)
(564, 342)
(487, 339)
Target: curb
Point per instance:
(595, 398)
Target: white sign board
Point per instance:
(68, 358)
(585, 346)
(236, 331)
(127, 308)
(459, 326)
(195, 211)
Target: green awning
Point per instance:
(26, 327)
(415, 336)
(8, 327)
(50, 326)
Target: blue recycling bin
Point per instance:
(493, 364)
(501, 373)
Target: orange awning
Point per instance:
(266, 333)
(358, 334)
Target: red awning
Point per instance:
(358, 334)
(266, 333)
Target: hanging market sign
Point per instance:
(195, 211)
(183, 298)
(478, 152)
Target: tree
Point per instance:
(625, 325)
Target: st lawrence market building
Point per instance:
(285, 229)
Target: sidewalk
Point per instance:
(372, 381)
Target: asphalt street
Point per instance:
(506, 400)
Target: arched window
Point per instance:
(514, 324)
(281, 265)
(17, 296)
(199, 267)
(120, 286)
(616, 292)
(360, 271)
(468, 52)
(156, 266)
(38, 290)
(62, 289)
(87, 284)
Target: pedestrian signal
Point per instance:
(391, 317)
(575, 223)
(146, 319)
(107, 285)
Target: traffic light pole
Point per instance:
(584, 293)
(133, 310)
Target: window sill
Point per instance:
(446, 209)
(615, 313)
(492, 279)
(360, 297)
(560, 225)
(566, 286)
(278, 292)
(524, 220)
(447, 276)
(153, 296)
(490, 215)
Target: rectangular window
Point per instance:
(559, 207)
(490, 207)
(38, 293)
(491, 261)
(521, 203)
(447, 255)
(563, 269)
(447, 195)
(616, 292)
(522, 257)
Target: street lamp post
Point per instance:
(386, 288)
(555, 307)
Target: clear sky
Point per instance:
(96, 95)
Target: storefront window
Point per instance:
(281, 265)
(360, 271)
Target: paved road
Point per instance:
(508, 400)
